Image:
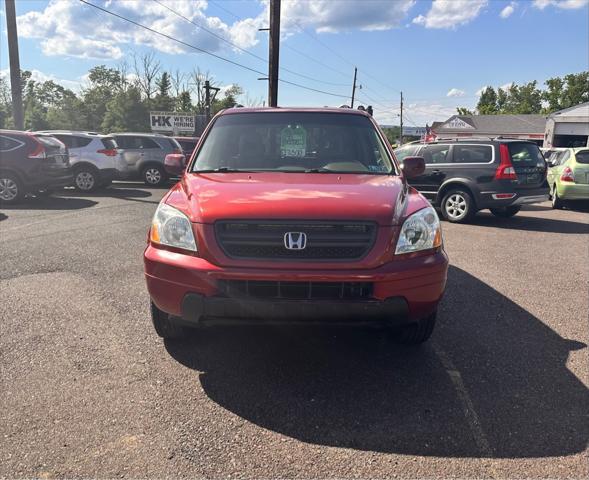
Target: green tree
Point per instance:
(125, 112)
(35, 112)
(464, 111)
(5, 103)
(487, 102)
(69, 115)
(184, 102)
(524, 99)
(104, 84)
(163, 101)
(229, 99)
(566, 92)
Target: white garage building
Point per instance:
(568, 128)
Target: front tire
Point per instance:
(165, 326)
(11, 189)
(417, 333)
(506, 212)
(458, 206)
(154, 176)
(557, 202)
(85, 179)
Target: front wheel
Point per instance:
(417, 333)
(11, 189)
(154, 176)
(458, 206)
(505, 212)
(165, 326)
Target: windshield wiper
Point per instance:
(219, 170)
(319, 170)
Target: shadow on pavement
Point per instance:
(3, 217)
(122, 193)
(51, 203)
(354, 388)
(532, 224)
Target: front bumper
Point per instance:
(187, 287)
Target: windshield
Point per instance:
(294, 142)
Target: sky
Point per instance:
(439, 53)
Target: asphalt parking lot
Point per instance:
(89, 390)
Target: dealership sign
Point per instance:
(458, 124)
(171, 122)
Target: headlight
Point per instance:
(172, 228)
(421, 231)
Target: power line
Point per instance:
(237, 64)
(286, 45)
(234, 45)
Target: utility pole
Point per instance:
(354, 86)
(273, 54)
(15, 81)
(208, 89)
(401, 136)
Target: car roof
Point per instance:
(340, 110)
(74, 132)
(143, 134)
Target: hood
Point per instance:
(206, 198)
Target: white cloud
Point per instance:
(337, 16)
(75, 29)
(504, 87)
(450, 13)
(40, 76)
(455, 92)
(71, 28)
(564, 4)
(508, 10)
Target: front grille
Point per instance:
(325, 241)
(295, 290)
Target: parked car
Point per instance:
(464, 176)
(145, 154)
(31, 163)
(568, 175)
(295, 215)
(95, 159)
(188, 144)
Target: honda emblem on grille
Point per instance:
(295, 240)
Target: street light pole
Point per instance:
(15, 79)
(354, 87)
(273, 54)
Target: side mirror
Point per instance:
(175, 163)
(413, 167)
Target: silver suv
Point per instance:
(95, 159)
(145, 154)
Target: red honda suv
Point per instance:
(296, 215)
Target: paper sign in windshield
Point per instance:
(293, 142)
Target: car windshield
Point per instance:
(294, 142)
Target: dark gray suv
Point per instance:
(145, 154)
(464, 176)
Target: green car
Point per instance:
(568, 174)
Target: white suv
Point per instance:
(95, 159)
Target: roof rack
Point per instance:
(462, 139)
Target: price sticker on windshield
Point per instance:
(293, 141)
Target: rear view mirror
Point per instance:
(175, 163)
(413, 167)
